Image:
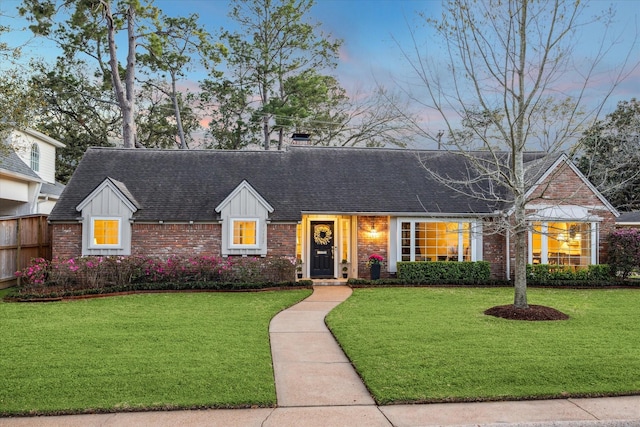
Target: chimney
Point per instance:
(301, 138)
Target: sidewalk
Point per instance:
(317, 386)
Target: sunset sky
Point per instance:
(373, 30)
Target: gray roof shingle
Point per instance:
(11, 162)
(187, 185)
(628, 218)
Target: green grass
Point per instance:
(435, 344)
(139, 352)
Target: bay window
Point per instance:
(563, 243)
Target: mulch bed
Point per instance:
(533, 313)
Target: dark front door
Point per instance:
(322, 249)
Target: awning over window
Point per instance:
(564, 213)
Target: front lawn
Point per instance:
(179, 350)
(435, 344)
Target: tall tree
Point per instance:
(610, 155)
(77, 110)
(228, 101)
(166, 118)
(181, 42)
(504, 62)
(90, 28)
(18, 99)
(273, 44)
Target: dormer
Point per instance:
(244, 214)
(106, 219)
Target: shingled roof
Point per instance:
(187, 185)
(11, 162)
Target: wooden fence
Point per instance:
(22, 239)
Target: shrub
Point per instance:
(95, 273)
(541, 274)
(422, 272)
(624, 251)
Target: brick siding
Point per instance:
(281, 240)
(164, 240)
(66, 240)
(368, 245)
(565, 187)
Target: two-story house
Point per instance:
(27, 174)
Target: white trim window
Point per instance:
(35, 157)
(106, 232)
(430, 240)
(563, 243)
(244, 233)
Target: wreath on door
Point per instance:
(322, 234)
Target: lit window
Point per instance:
(245, 232)
(106, 232)
(35, 157)
(435, 241)
(299, 241)
(562, 243)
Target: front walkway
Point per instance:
(310, 368)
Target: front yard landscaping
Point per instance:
(436, 345)
(195, 350)
(151, 351)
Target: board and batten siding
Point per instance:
(244, 203)
(106, 204)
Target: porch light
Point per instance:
(373, 232)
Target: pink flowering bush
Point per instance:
(135, 272)
(37, 273)
(624, 251)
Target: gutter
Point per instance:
(508, 251)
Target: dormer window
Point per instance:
(35, 157)
(244, 232)
(244, 213)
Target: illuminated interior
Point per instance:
(299, 241)
(344, 237)
(244, 232)
(436, 241)
(105, 231)
(563, 243)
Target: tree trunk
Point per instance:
(176, 108)
(124, 94)
(520, 273)
(517, 157)
(265, 117)
(280, 138)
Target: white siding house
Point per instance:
(27, 174)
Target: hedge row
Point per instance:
(56, 292)
(542, 273)
(425, 272)
(98, 274)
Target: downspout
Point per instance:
(508, 272)
(33, 208)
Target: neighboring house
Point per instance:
(322, 205)
(27, 174)
(628, 219)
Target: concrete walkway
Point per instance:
(317, 386)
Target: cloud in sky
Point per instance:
(372, 31)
